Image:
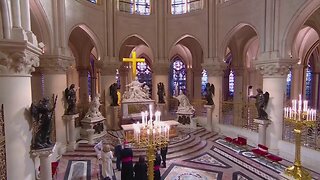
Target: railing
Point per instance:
(238, 114)
(3, 165)
(310, 136)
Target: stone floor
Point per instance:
(195, 154)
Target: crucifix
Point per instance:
(134, 61)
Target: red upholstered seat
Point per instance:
(273, 158)
(261, 150)
(228, 139)
(240, 141)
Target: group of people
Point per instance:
(124, 163)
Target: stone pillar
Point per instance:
(274, 73)
(55, 82)
(215, 68)
(238, 97)
(25, 15)
(190, 80)
(18, 60)
(108, 72)
(297, 81)
(160, 74)
(83, 83)
(197, 75)
(70, 120)
(16, 15)
(45, 162)
(263, 124)
(209, 117)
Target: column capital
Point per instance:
(274, 67)
(42, 152)
(108, 66)
(161, 68)
(214, 66)
(55, 64)
(18, 58)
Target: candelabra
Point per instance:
(151, 134)
(299, 115)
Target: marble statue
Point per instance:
(136, 92)
(114, 94)
(261, 103)
(209, 93)
(184, 104)
(71, 99)
(93, 111)
(42, 114)
(161, 92)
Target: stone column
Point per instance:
(83, 83)
(238, 97)
(263, 124)
(215, 68)
(160, 74)
(274, 73)
(197, 75)
(209, 117)
(45, 162)
(70, 120)
(55, 82)
(18, 60)
(190, 80)
(108, 73)
(297, 81)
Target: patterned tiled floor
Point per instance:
(195, 154)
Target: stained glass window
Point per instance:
(178, 77)
(89, 84)
(141, 7)
(289, 79)
(144, 74)
(231, 83)
(204, 81)
(93, 1)
(118, 78)
(308, 83)
(184, 6)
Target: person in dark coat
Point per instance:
(141, 169)
(117, 154)
(163, 152)
(127, 165)
(156, 170)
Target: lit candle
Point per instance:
(150, 110)
(305, 105)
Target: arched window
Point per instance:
(204, 81)
(141, 7)
(178, 76)
(231, 83)
(118, 78)
(184, 6)
(91, 77)
(95, 1)
(144, 74)
(308, 82)
(289, 79)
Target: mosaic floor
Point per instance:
(195, 154)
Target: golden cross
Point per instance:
(134, 61)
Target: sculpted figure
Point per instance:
(184, 104)
(93, 111)
(42, 114)
(261, 103)
(113, 93)
(161, 92)
(71, 99)
(209, 93)
(136, 91)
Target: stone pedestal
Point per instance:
(186, 119)
(90, 133)
(45, 163)
(263, 124)
(114, 118)
(209, 117)
(162, 108)
(70, 120)
(97, 124)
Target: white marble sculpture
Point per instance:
(93, 111)
(135, 92)
(184, 104)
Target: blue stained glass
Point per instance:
(204, 81)
(308, 83)
(93, 1)
(231, 83)
(289, 79)
(178, 77)
(89, 84)
(118, 78)
(144, 74)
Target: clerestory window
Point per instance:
(141, 7)
(185, 6)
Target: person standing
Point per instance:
(156, 169)
(127, 165)
(141, 169)
(98, 148)
(163, 152)
(106, 158)
(117, 153)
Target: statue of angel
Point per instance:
(209, 93)
(161, 92)
(71, 99)
(261, 103)
(42, 113)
